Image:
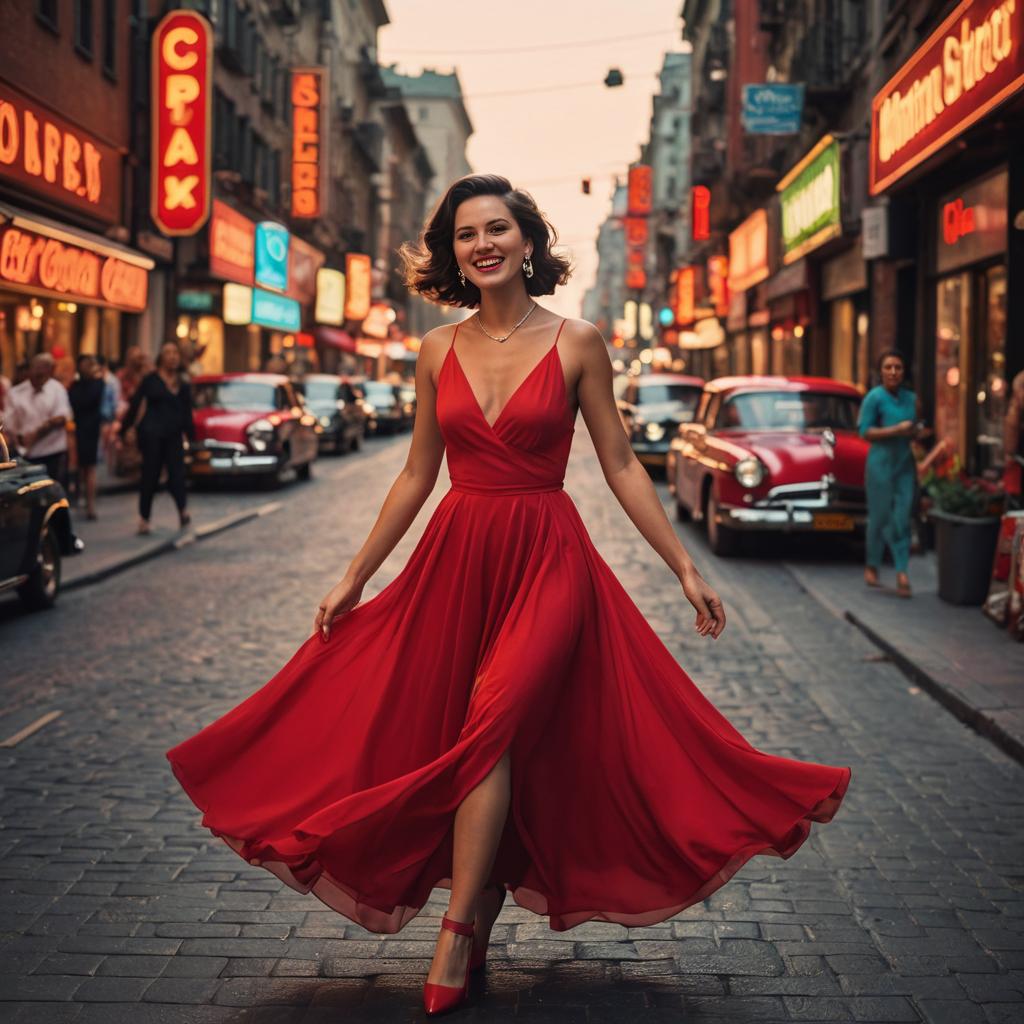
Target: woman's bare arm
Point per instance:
(627, 478)
(407, 494)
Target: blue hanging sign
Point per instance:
(773, 109)
(275, 311)
(272, 255)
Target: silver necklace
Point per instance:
(504, 338)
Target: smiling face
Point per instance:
(489, 244)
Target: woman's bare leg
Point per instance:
(479, 822)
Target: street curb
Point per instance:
(173, 544)
(951, 701)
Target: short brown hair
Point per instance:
(430, 267)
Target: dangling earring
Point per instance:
(527, 266)
(462, 278)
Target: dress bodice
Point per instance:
(525, 449)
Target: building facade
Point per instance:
(70, 282)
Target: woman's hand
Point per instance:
(342, 597)
(710, 610)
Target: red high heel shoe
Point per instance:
(478, 959)
(438, 999)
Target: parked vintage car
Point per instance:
(652, 407)
(339, 409)
(771, 453)
(251, 424)
(35, 531)
(391, 413)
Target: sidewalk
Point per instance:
(954, 653)
(111, 543)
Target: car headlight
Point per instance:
(260, 435)
(749, 472)
(325, 421)
(654, 431)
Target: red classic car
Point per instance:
(251, 424)
(770, 453)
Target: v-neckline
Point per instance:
(492, 426)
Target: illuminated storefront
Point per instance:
(260, 293)
(65, 288)
(747, 313)
(939, 142)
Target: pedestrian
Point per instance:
(505, 666)
(166, 402)
(87, 394)
(37, 413)
(888, 419)
(130, 375)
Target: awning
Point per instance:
(335, 337)
(16, 217)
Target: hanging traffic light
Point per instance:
(585, 185)
(613, 78)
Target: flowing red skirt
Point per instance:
(632, 796)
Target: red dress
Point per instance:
(632, 796)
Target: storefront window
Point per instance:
(720, 360)
(741, 353)
(842, 331)
(991, 395)
(759, 351)
(952, 331)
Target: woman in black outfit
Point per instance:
(86, 397)
(166, 419)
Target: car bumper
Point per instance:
(206, 464)
(652, 453)
(793, 519)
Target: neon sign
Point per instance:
(640, 190)
(181, 168)
(71, 271)
(48, 155)
(309, 139)
(970, 63)
(700, 197)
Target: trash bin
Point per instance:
(965, 548)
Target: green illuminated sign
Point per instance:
(809, 198)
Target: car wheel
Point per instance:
(43, 584)
(305, 471)
(722, 541)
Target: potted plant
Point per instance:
(965, 512)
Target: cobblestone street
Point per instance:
(117, 907)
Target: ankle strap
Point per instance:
(459, 927)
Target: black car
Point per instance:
(652, 407)
(35, 531)
(390, 414)
(338, 406)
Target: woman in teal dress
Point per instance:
(887, 420)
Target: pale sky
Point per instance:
(546, 141)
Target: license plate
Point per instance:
(835, 521)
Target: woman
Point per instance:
(86, 395)
(167, 419)
(500, 716)
(887, 420)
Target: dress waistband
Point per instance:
(501, 492)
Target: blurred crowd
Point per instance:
(66, 416)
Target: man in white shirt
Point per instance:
(35, 416)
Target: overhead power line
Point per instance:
(628, 75)
(565, 45)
